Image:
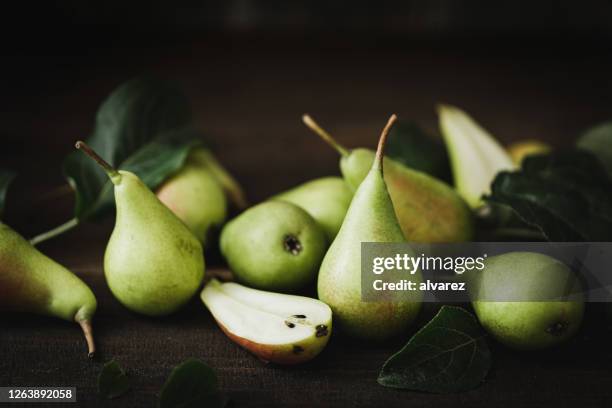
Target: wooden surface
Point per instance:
(248, 98)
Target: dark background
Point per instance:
(522, 68)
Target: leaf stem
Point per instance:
(55, 231)
(314, 126)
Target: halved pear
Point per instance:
(277, 328)
(475, 155)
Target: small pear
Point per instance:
(195, 195)
(327, 199)
(274, 245)
(277, 328)
(523, 299)
(370, 218)
(153, 263)
(32, 282)
(428, 209)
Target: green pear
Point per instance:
(370, 218)
(527, 300)
(32, 282)
(476, 157)
(326, 199)
(195, 195)
(274, 245)
(277, 328)
(428, 209)
(153, 263)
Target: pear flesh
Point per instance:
(326, 199)
(32, 282)
(153, 264)
(370, 218)
(195, 195)
(278, 328)
(538, 312)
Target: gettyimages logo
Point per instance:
(486, 271)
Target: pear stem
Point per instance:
(110, 170)
(88, 332)
(55, 231)
(380, 152)
(314, 126)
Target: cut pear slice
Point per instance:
(476, 157)
(278, 328)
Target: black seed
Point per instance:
(292, 244)
(557, 329)
(289, 324)
(297, 349)
(321, 330)
(299, 316)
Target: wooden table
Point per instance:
(248, 98)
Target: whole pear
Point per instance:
(153, 263)
(370, 218)
(32, 282)
(523, 299)
(327, 199)
(274, 245)
(195, 195)
(428, 210)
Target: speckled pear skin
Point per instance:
(32, 282)
(153, 263)
(428, 209)
(370, 218)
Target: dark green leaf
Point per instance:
(598, 140)
(449, 354)
(567, 196)
(144, 126)
(112, 382)
(410, 145)
(192, 384)
(6, 177)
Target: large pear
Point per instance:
(428, 210)
(370, 218)
(32, 282)
(153, 263)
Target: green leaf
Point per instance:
(6, 177)
(598, 140)
(567, 196)
(112, 382)
(410, 145)
(144, 126)
(192, 384)
(449, 354)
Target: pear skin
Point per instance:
(32, 282)
(327, 199)
(428, 210)
(370, 218)
(195, 196)
(153, 263)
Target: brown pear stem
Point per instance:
(88, 332)
(110, 170)
(314, 126)
(380, 151)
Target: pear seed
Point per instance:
(289, 324)
(299, 316)
(321, 330)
